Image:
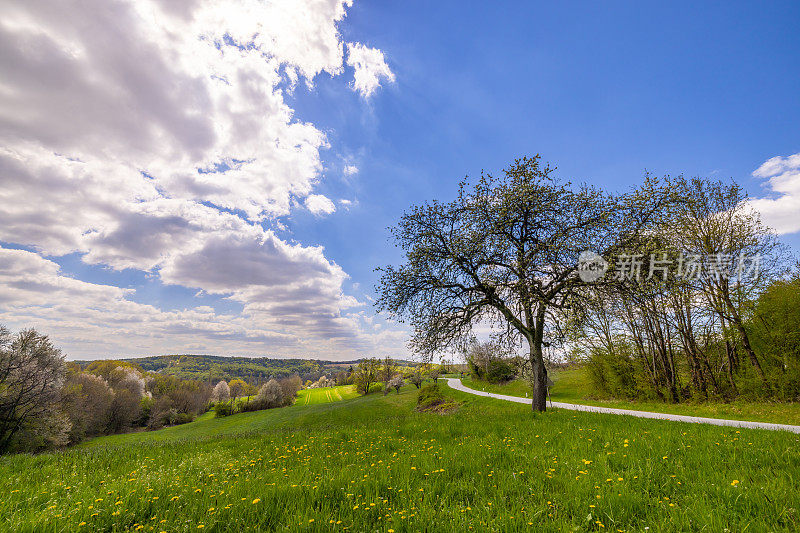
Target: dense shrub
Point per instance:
(431, 398)
(499, 371)
(223, 409)
(614, 373)
(429, 395)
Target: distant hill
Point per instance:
(251, 369)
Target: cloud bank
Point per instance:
(156, 136)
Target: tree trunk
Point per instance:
(749, 350)
(539, 402)
(539, 397)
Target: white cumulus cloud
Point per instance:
(370, 68)
(781, 210)
(320, 204)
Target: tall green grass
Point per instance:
(375, 464)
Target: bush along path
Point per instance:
(456, 384)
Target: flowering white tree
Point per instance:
(31, 376)
(221, 392)
(396, 382)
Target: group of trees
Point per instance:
(716, 329)
(508, 253)
(47, 402)
(386, 374)
(274, 393)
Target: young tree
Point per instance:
(717, 223)
(366, 374)
(31, 376)
(396, 382)
(237, 388)
(505, 252)
(388, 370)
(416, 376)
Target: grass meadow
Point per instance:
(375, 464)
(572, 386)
(326, 394)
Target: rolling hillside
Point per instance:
(374, 463)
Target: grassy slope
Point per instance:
(572, 386)
(373, 463)
(326, 394)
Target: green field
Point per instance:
(375, 464)
(572, 386)
(326, 395)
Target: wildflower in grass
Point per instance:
(735, 483)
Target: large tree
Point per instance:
(505, 252)
(31, 376)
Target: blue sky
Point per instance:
(603, 91)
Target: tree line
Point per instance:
(725, 330)
(47, 402)
(373, 374)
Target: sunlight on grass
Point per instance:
(326, 394)
(373, 463)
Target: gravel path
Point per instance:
(456, 384)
